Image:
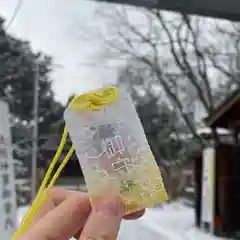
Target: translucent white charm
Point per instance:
(114, 153)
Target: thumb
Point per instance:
(104, 220)
(63, 221)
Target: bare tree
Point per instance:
(226, 59)
(175, 50)
(181, 55)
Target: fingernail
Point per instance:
(113, 206)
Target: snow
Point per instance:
(173, 221)
(196, 234)
(22, 211)
(207, 130)
(22, 181)
(189, 189)
(25, 188)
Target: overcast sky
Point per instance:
(51, 26)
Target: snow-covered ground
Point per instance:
(173, 221)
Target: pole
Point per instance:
(35, 136)
(35, 131)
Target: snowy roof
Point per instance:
(204, 131)
(207, 130)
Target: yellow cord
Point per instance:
(95, 100)
(91, 101)
(51, 184)
(30, 213)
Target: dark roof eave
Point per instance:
(223, 107)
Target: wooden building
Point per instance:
(226, 208)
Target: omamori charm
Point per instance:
(113, 150)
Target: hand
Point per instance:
(68, 214)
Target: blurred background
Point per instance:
(178, 69)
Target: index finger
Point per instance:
(63, 221)
(55, 198)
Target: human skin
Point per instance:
(68, 214)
